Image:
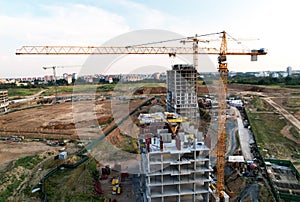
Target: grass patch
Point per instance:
(260, 104)
(266, 128)
(10, 189)
(28, 161)
(21, 92)
(294, 101)
(265, 194)
(73, 184)
(60, 90)
(154, 85)
(98, 88)
(294, 132)
(106, 87)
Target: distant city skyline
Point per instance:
(282, 73)
(94, 22)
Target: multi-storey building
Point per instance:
(181, 91)
(175, 167)
(4, 104)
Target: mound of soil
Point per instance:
(150, 90)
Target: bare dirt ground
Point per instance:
(15, 150)
(52, 121)
(37, 119)
(48, 121)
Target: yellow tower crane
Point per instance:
(221, 144)
(171, 51)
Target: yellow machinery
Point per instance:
(171, 51)
(221, 144)
(173, 120)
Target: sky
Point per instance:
(94, 22)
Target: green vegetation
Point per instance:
(28, 161)
(259, 104)
(73, 184)
(12, 187)
(294, 132)
(60, 90)
(130, 144)
(265, 194)
(21, 92)
(267, 127)
(294, 101)
(51, 163)
(153, 84)
(12, 181)
(106, 87)
(251, 79)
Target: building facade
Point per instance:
(174, 168)
(4, 104)
(289, 70)
(176, 171)
(181, 91)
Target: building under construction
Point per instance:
(4, 103)
(182, 95)
(175, 164)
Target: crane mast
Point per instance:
(171, 51)
(222, 94)
(54, 79)
(54, 76)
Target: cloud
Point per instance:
(79, 24)
(141, 16)
(72, 24)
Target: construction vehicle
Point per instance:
(114, 190)
(195, 50)
(119, 190)
(173, 121)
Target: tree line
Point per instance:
(250, 79)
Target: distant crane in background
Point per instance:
(222, 53)
(54, 76)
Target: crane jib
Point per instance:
(79, 50)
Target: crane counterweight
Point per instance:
(196, 50)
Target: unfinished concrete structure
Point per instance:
(4, 101)
(181, 94)
(174, 167)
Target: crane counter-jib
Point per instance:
(195, 50)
